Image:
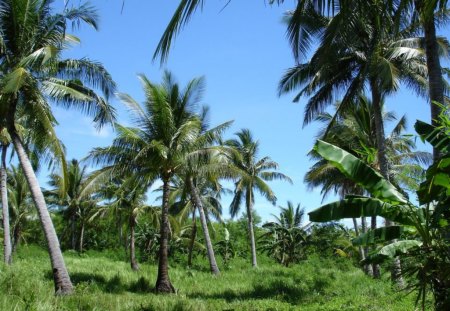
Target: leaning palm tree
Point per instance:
(32, 72)
(192, 194)
(167, 127)
(252, 175)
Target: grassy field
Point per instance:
(105, 282)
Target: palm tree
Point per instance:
(33, 39)
(167, 128)
(128, 199)
(75, 197)
(20, 204)
(196, 193)
(252, 175)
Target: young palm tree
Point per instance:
(33, 39)
(252, 175)
(20, 205)
(127, 199)
(196, 193)
(167, 128)
(75, 197)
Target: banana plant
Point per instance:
(427, 224)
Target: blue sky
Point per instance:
(242, 52)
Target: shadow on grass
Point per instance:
(276, 290)
(114, 285)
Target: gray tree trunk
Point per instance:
(163, 284)
(63, 285)
(193, 235)
(384, 169)
(251, 233)
(435, 80)
(7, 251)
(209, 249)
(133, 261)
(367, 268)
(81, 244)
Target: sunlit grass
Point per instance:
(104, 282)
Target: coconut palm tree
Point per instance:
(75, 198)
(32, 39)
(252, 175)
(20, 205)
(196, 193)
(167, 127)
(128, 199)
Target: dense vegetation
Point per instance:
(101, 219)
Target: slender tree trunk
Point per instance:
(7, 251)
(133, 261)
(383, 163)
(73, 233)
(435, 80)
(80, 246)
(193, 235)
(17, 235)
(63, 285)
(375, 267)
(251, 233)
(360, 248)
(367, 268)
(209, 249)
(163, 284)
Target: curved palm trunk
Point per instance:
(192, 241)
(250, 227)
(396, 269)
(209, 249)
(133, 261)
(435, 81)
(63, 285)
(163, 284)
(360, 248)
(7, 251)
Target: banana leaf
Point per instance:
(382, 234)
(436, 136)
(355, 207)
(360, 173)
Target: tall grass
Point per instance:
(104, 282)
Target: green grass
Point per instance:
(104, 282)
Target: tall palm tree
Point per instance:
(252, 175)
(32, 40)
(407, 14)
(7, 246)
(167, 128)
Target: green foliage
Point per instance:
(103, 281)
(431, 271)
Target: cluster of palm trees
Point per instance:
(170, 141)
